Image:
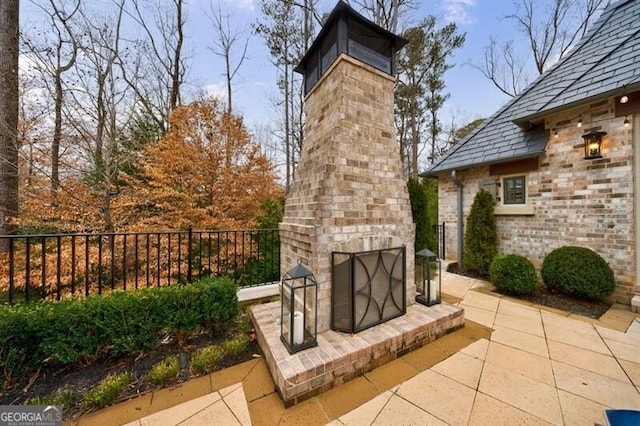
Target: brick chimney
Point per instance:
(349, 193)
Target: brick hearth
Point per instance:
(340, 357)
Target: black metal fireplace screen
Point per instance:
(368, 288)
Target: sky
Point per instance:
(471, 95)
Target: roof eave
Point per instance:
(431, 173)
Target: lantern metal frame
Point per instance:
(299, 294)
(432, 290)
(593, 144)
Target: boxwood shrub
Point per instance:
(577, 271)
(513, 273)
(122, 323)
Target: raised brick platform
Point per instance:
(340, 357)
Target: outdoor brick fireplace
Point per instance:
(348, 218)
(349, 193)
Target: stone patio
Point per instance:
(539, 366)
(341, 357)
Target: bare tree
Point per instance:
(164, 47)
(506, 69)
(55, 55)
(9, 46)
(102, 103)
(223, 45)
(33, 113)
(287, 29)
(386, 13)
(550, 33)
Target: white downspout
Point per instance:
(458, 182)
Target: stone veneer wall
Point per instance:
(587, 203)
(349, 193)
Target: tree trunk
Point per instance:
(8, 117)
(176, 71)
(57, 135)
(414, 143)
(287, 128)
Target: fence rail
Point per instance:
(55, 266)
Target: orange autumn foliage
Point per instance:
(206, 173)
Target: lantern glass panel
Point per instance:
(593, 144)
(429, 279)
(298, 328)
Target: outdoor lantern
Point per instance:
(429, 281)
(593, 144)
(298, 312)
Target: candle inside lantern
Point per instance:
(298, 328)
(432, 291)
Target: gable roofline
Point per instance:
(631, 85)
(588, 72)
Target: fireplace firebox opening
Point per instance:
(368, 288)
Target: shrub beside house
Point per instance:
(530, 155)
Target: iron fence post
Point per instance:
(189, 254)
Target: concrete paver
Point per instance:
(217, 413)
(634, 328)
(595, 387)
(490, 411)
(366, 413)
(521, 392)
(587, 360)
(522, 362)
(580, 411)
(462, 368)
(527, 323)
(477, 349)
(399, 411)
(625, 351)
(539, 366)
(520, 340)
(632, 370)
(440, 396)
(482, 316)
(182, 412)
(481, 300)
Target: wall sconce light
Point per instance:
(626, 121)
(580, 121)
(429, 277)
(555, 133)
(624, 99)
(298, 309)
(593, 144)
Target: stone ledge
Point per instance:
(635, 304)
(340, 357)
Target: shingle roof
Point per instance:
(605, 60)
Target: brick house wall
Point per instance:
(588, 203)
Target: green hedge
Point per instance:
(65, 332)
(578, 271)
(513, 273)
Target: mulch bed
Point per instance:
(80, 378)
(542, 296)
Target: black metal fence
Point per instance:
(55, 266)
